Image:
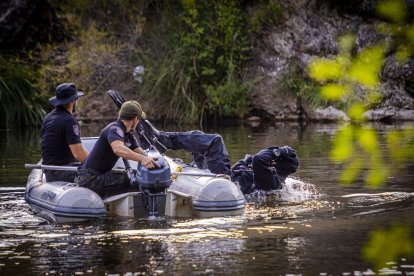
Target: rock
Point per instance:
(329, 114)
(390, 114)
(253, 119)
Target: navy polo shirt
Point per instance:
(59, 130)
(102, 158)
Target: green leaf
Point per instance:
(403, 54)
(326, 69)
(356, 112)
(368, 140)
(347, 42)
(342, 144)
(367, 65)
(377, 174)
(333, 91)
(395, 10)
(388, 245)
(350, 173)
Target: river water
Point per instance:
(314, 226)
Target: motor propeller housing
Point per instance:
(155, 180)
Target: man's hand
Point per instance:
(149, 162)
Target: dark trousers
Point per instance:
(106, 184)
(67, 176)
(208, 150)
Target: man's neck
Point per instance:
(128, 125)
(69, 108)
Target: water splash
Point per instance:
(293, 190)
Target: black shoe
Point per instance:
(155, 137)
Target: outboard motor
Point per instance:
(154, 182)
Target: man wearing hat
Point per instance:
(115, 140)
(60, 134)
(266, 170)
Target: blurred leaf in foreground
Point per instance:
(386, 245)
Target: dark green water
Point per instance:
(309, 229)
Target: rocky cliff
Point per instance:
(309, 30)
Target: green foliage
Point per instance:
(394, 10)
(111, 16)
(230, 98)
(21, 103)
(95, 63)
(386, 245)
(268, 14)
(201, 71)
(341, 76)
(303, 88)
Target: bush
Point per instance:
(200, 70)
(21, 103)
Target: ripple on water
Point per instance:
(375, 199)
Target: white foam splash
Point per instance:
(293, 190)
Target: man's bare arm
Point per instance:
(79, 152)
(123, 151)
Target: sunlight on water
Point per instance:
(376, 199)
(191, 230)
(211, 222)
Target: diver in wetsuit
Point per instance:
(266, 170)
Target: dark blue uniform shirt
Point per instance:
(102, 158)
(59, 130)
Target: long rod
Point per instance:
(74, 169)
(50, 167)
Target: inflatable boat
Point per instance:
(175, 189)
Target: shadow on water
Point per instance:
(313, 226)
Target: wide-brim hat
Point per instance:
(65, 93)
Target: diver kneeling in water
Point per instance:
(266, 170)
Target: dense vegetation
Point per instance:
(194, 53)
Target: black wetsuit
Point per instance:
(264, 170)
(96, 172)
(59, 130)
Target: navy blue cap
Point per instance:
(65, 93)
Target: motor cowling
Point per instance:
(155, 180)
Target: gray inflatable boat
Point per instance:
(175, 190)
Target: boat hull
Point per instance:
(188, 196)
(62, 201)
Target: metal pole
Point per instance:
(74, 169)
(56, 168)
(50, 167)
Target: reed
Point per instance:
(197, 68)
(21, 104)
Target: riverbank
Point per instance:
(201, 62)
